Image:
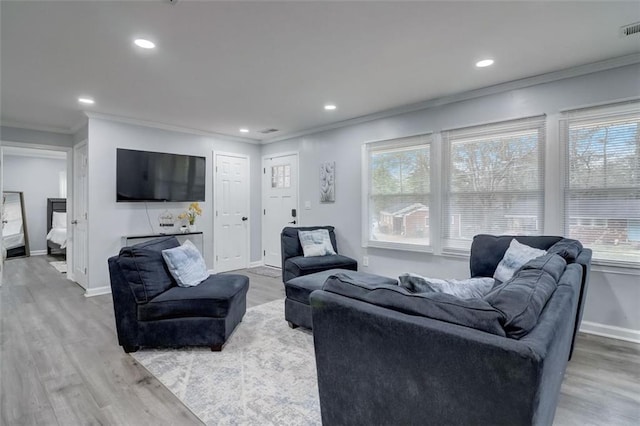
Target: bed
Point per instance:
(56, 225)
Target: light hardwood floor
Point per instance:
(60, 362)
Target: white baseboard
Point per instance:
(610, 331)
(256, 264)
(99, 291)
(37, 252)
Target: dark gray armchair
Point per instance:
(294, 264)
(151, 310)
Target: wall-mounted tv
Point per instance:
(157, 176)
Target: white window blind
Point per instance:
(602, 185)
(398, 190)
(493, 181)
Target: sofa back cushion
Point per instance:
(567, 248)
(473, 313)
(144, 268)
(522, 298)
(290, 241)
(488, 250)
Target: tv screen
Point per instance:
(156, 176)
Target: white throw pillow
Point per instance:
(59, 220)
(186, 264)
(464, 289)
(316, 243)
(514, 258)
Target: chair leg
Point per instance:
(292, 325)
(216, 348)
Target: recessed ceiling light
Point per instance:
(145, 44)
(484, 63)
(85, 100)
(244, 130)
(330, 107)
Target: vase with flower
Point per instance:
(190, 215)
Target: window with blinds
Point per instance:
(602, 184)
(399, 186)
(493, 177)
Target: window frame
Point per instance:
(611, 112)
(389, 144)
(537, 123)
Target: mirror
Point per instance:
(15, 239)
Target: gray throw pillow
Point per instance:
(316, 243)
(514, 258)
(186, 264)
(465, 289)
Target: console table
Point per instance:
(196, 238)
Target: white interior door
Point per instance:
(231, 230)
(279, 203)
(2, 249)
(79, 220)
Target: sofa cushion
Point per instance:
(488, 250)
(186, 264)
(551, 263)
(521, 300)
(567, 248)
(514, 258)
(473, 313)
(212, 298)
(300, 288)
(144, 268)
(301, 265)
(471, 287)
(316, 243)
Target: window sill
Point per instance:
(398, 246)
(619, 268)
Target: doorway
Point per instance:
(231, 220)
(38, 174)
(279, 202)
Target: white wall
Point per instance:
(38, 179)
(109, 220)
(614, 295)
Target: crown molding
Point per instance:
(36, 127)
(19, 151)
(79, 125)
(169, 127)
(472, 94)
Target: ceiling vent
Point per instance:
(267, 131)
(630, 29)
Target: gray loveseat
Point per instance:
(385, 355)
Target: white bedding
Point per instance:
(58, 236)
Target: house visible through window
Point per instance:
(493, 181)
(602, 185)
(398, 191)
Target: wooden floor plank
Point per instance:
(60, 362)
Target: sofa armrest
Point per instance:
(378, 366)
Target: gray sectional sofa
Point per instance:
(386, 355)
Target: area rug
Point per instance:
(60, 265)
(265, 374)
(266, 271)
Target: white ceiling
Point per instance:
(220, 66)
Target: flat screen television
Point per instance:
(157, 176)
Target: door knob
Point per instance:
(244, 218)
(74, 222)
(293, 221)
